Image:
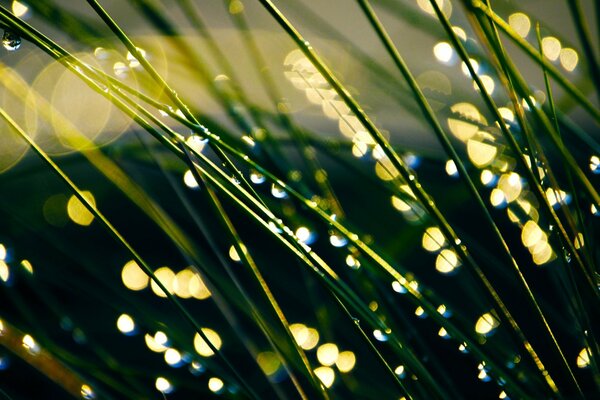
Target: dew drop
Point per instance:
(256, 177)
(278, 192)
(567, 256)
(11, 41)
(337, 240)
(380, 336)
(595, 164)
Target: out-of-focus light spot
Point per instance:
(444, 5)
(30, 344)
(161, 338)
(443, 333)
(181, 283)
(551, 47)
(594, 210)
(381, 336)
(414, 285)
(443, 52)
(256, 177)
(278, 192)
(497, 198)
(373, 306)
(125, 324)
(156, 343)
(134, 62)
(465, 69)
(539, 97)
(215, 384)
(412, 160)
(198, 289)
(120, 69)
(337, 240)
(486, 324)
(483, 376)
(27, 266)
(311, 341)
(451, 168)
(487, 82)
(236, 7)
(359, 149)
(269, 362)
(507, 114)
(531, 234)
(4, 272)
(480, 153)
(520, 23)
(87, 392)
(78, 212)
(433, 239)
(541, 253)
(583, 358)
(447, 261)
(568, 59)
(398, 288)
(511, 186)
(249, 141)
(300, 333)
(399, 204)
(133, 277)
(578, 242)
(196, 368)
(385, 170)
(165, 276)
(20, 9)
(400, 371)
(460, 32)
(202, 347)
(196, 143)
(233, 254)
(595, 164)
(163, 385)
(3, 252)
(172, 357)
(326, 375)
(346, 361)
(487, 177)
(378, 152)
(556, 197)
(305, 235)
(327, 354)
(462, 129)
(502, 395)
(190, 180)
(443, 310)
(352, 262)
(514, 218)
(420, 312)
(101, 53)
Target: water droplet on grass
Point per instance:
(11, 41)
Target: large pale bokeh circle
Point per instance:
(12, 92)
(72, 115)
